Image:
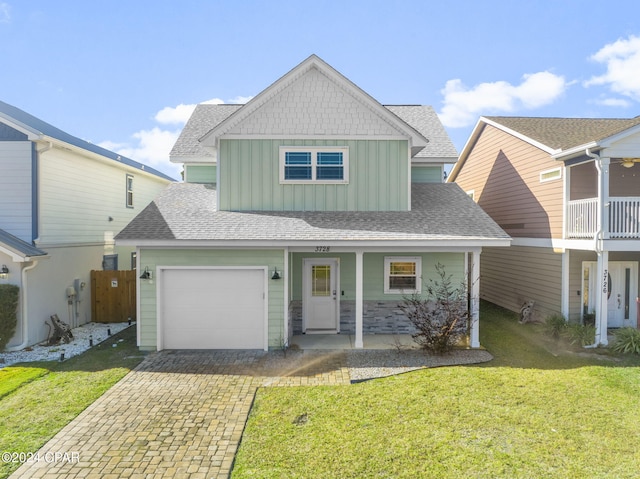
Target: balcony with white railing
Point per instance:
(623, 218)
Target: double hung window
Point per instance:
(402, 274)
(314, 165)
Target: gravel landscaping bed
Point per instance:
(81, 336)
(378, 363)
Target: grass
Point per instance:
(539, 409)
(39, 399)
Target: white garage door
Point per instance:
(213, 309)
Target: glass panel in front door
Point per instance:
(321, 280)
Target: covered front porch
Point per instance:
(345, 299)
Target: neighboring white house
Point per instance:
(311, 209)
(62, 201)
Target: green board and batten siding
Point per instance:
(250, 177)
(200, 174)
(152, 258)
(426, 174)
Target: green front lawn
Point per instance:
(39, 399)
(536, 410)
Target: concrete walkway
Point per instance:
(179, 414)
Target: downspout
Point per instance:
(598, 235)
(36, 207)
(23, 310)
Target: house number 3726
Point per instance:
(323, 249)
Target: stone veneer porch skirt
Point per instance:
(379, 317)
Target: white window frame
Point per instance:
(402, 259)
(129, 191)
(556, 172)
(314, 163)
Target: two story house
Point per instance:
(62, 201)
(568, 192)
(312, 209)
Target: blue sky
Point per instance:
(126, 74)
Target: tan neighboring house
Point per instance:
(567, 190)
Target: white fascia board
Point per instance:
(310, 245)
(575, 151)
(441, 160)
(194, 160)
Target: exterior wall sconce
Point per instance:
(4, 272)
(276, 274)
(146, 273)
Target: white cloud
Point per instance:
(622, 60)
(173, 115)
(462, 105)
(240, 100)
(614, 102)
(5, 12)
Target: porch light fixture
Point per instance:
(146, 273)
(276, 275)
(4, 272)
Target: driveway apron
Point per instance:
(179, 414)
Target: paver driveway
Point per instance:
(179, 414)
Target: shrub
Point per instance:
(555, 325)
(8, 307)
(627, 340)
(441, 317)
(582, 334)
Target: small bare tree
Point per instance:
(441, 317)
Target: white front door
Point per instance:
(321, 301)
(621, 302)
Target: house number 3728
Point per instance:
(323, 249)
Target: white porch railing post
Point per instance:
(475, 299)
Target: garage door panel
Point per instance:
(213, 309)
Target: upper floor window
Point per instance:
(129, 197)
(314, 165)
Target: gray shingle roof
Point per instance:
(422, 118)
(187, 211)
(203, 119)
(19, 246)
(39, 127)
(566, 133)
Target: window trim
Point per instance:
(402, 259)
(557, 174)
(314, 150)
(129, 191)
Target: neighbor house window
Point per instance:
(550, 175)
(402, 274)
(314, 165)
(129, 198)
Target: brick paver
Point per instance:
(179, 414)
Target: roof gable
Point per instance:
(314, 99)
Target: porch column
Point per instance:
(564, 295)
(359, 300)
(602, 299)
(603, 196)
(475, 299)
